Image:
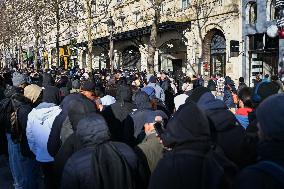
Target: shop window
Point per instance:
(251, 13)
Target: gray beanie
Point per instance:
(270, 117)
(18, 79)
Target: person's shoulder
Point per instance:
(250, 177)
(82, 155)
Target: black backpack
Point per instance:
(9, 118)
(218, 171)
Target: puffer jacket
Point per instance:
(39, 125)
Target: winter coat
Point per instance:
(159, 92)
(90, 167)
(188, 134)
(254, 178)
(54, 141)
(152, 150)
(165, 84)
(225, 129)
(39, 124)
(24, 108)
(116, 113)
(133, 125)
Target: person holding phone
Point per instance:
(150, 150)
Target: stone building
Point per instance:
(198, 36)
(260, 52)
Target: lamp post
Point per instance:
(111, 25)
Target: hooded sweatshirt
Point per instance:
(99, 163)
(134, 123)
(39, 124)
(225, 129)
(116, 113)
(187, 132)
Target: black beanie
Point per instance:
(196, 94)
(270, 117)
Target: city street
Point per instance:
(141, 94)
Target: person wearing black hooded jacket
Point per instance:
(50, 92)
(187, 164)
(268, 172)
(77, 109)
(226, 131)
(100, 163)
(116, 113)
(133, 125)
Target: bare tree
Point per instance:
(201, 13)
(156, 5)
(95, 12)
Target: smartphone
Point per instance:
(159, 128)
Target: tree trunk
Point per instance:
(36, 42)
(153, 42)
(57, 59)
(90, 41)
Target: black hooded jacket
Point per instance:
(77, 110)
(225, 129)
(192, 162)
(51, 94)
(116, 113)
(99, 163)
(187, 131)
(133, 126)
(54, 141)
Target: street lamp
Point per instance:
(111, 24)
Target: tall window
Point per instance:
(185, 3)
(251, 13)
(272, 10)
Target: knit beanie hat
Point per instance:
(270, 116)
(18, 79)
(32, 92)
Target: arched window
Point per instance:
(271, 12)
(251, 13)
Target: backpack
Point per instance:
(9, 118)
(271, 168)
(218, 171)
(16, 131)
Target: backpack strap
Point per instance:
(271, 168)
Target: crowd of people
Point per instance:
(129, 129)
